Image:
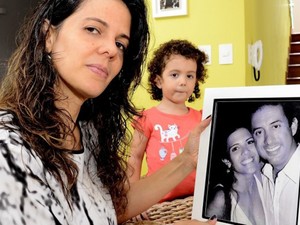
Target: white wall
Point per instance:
(296, 16)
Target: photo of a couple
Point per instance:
(253, 164)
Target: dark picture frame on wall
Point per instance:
(231, 109)
(167, 8)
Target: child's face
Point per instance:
(178, 79)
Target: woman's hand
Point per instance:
(191, 148)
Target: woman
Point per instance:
(65, 102)
(239, 200)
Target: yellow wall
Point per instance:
(217, 22)
(214, 22)
(269, 21)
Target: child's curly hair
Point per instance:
(158, 63)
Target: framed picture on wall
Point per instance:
(253, 137)
(164, 8)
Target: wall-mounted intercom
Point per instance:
(255, 58)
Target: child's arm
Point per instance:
(137, 150)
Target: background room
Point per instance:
(228, 30)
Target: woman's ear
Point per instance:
(227, 163)
(50, 32)
(158, 81)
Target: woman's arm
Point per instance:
(137, 150)
(148, 191)
(217, 205)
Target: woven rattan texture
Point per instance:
(167, 212)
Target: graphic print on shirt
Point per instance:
(170, 136)
(172, 132)
(162, 153)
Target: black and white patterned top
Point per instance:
(29, 196)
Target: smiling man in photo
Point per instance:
(274, 127)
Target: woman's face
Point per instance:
(87, 49)
(242, 151)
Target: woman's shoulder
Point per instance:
(219, 194)
(5, 117)
(9, 136)
(13, 149)
(22, 184)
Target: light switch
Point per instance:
(207, 50)
(225, 54)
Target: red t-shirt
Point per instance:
(167, 135)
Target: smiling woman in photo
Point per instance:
(238, 197)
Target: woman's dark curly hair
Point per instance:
(27, 92)
(160, 58)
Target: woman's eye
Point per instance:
(250, 142)
(121, 46)
(190, 76)
(234, 149)
(174, 75)
(92, 30)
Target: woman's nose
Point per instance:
(110, 48)
(246, 150)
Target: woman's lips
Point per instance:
(99, 70)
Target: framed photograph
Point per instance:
(164, 8)
(249, 161)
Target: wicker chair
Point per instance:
(167, 212)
